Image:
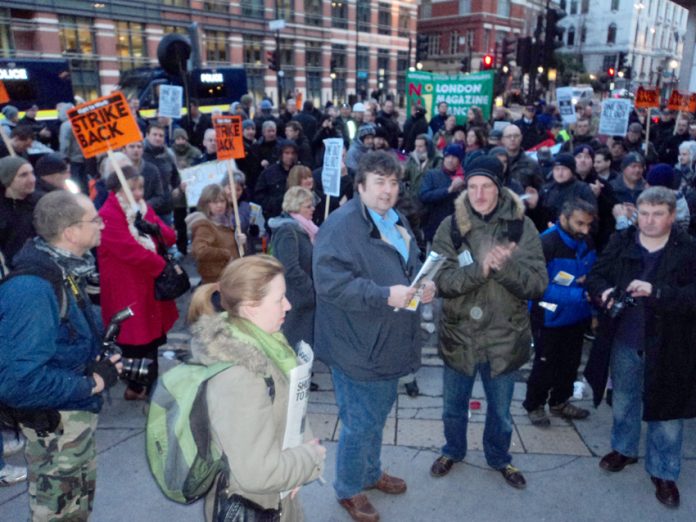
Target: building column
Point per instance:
(105, 33)
(46, 40)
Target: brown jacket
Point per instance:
(212, 245)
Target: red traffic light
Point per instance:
(611, 72)
(487, 61)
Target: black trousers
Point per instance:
(144, 351)
(556, 360)
(180, 227)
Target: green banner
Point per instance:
(460, 91)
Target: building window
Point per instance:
(313, 13)
(363, 13)
(383, 69)
(426, 9)
(252, 48)
(131, 47)
(287, 55)
(314, 86)
(339, 58)
(454, 42)
(611, 34)
(285, 10)
(571, 36)
(255, 82)
(464, 7)
(363, 68)
(585, 6)
(7, 44)
(401, 71)
(252, 8)
(384, 18)
(215, 6)
(339, 14)
(176, 3)
(166, 29)
(313, 54)
(216, 46)
(583, 34)
(433, 44)
(573, 7)
(404, 17)
(78, 44)
(614, 5)
(504, 8)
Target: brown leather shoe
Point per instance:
(390, 485)
(615, 461)
(131, 395)
(513, 476)
(359, 508)
(441, 466)
(666, 492)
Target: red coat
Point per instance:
(127, 272)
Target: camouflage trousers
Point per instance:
(62, 469)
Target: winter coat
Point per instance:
(355, 152)
(353, 266)
(525, 170)
(553, 195)
(669, 389)
(308, 122)
(213, 246)
(439, 201)
(163, 159)
(485, 319)
(624, 194)
(43, 360)
(266, 150)
(127, 276)
(270, 189)
(186, 156)
(415, 171)
(247, 425)
(16, 224)
(292, 246)
(154, 190)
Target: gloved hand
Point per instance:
(145, 227)
(106, 369)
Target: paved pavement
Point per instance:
(560, 464)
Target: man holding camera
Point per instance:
(50, 338)
(646, 282)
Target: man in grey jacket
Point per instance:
(365, 258)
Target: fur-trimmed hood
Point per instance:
(510, 207)
(212, 342)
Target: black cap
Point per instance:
(488, 166)
(565, 160)
(48, 164)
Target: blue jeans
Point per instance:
(664, 438)
(497, 433)
(363, 407)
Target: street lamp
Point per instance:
(419, 66)
(540, 70)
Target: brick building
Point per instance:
(328, 49)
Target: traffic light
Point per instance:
(272, 59)
(524, 54)
(421, 47)
(509, 50)
(553, 39)
(486, 62)
(611, 72)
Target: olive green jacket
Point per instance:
(485, 319)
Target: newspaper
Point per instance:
(300, 379)
(427, 272)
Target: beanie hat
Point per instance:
(48, 164)
(453, 149)
(9, 166)
(381, 132)
(246, 124)
(583, 148)
(497, 150)
(10, 112)
(565, 160)
(661, 175)
(179, 133)
(635, 127)
(359, 107)
(366, 130)
(266, 105)
(487, 166)
(631, 158)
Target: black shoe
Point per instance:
(412, 388)
(441, 466)
(513, 476)
(609, 397)
(615, 461)
(666, 492)
(313, 386)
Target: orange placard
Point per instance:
(678, 101)
(692, 102)
(647, 98)
(298, 101)
(4, 97)
(228, 134)
(104, 124)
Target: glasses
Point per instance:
(515, 136)
(97, 220)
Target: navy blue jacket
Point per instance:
(43, 360)
(438, 200)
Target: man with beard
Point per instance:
(561, 317)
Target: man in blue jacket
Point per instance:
(562, 315)
(365, 257)
(49, 342)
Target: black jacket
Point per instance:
(270, 189)
(15, 224)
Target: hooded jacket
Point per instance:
(355, 152)
(485, 319)
(212, 245)
(246, 424)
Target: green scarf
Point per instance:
(275, 346)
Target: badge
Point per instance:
(476, 313)
(465, 259)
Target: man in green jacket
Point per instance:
(494, 264)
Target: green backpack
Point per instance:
(182, 458)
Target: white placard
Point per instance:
(564, 95)
(171, 100)
(500, 125)
(331, 170)
(198, 177)
(277, 25)
(614, 118)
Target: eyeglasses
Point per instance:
(97, 220)
(516, 136)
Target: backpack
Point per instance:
(182, 458)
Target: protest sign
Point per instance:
(564, 95)
(228, 134)
(613, 120)
(678, 101)
(331, 170)
(647, 98)
(460, 91)
(500, 125)
(692, 102)
(103, 124)
(4, 96)
(198, 177)
(171, 101)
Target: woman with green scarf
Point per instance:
(248, 403)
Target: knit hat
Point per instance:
(266, 105)
(583, 148)
(246, 124)
(366, 130)
(10, 112)
(9, 166)
(359, 107)
(565, 160)
(635, 127)
(487, 166)
(497, 150)
(454, 149)
(631, 158)
(180, 133)
(661, 175)
(381, 132)
(48, 164)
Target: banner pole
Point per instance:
(7, 142)
(122, 179)
(647, 132)
(238, 224)
(326, 210)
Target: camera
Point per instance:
(622, 300)
(137, 370)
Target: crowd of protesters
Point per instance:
(525, 211)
